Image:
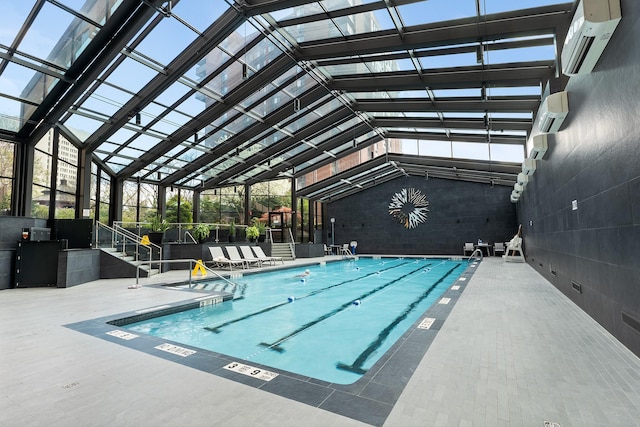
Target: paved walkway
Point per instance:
(513, 352)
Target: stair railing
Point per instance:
(121, 236)
(292, 244)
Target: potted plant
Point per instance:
(262, 229)
(252, 233)
(201, 232)
(232, 231)
(158, 227)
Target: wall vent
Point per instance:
(630, 321)
(576, 287)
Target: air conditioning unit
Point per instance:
(514, 199)
(591, 28)
(523, 179)
(540, 147)
(518, 188)
(528, 167)
(552, 112)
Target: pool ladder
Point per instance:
(472, 256)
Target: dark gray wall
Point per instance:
(458, 212)
(10, 233)
(78, 266)
(594, 159)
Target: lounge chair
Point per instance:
(220, 260)
(249, 256)
(234, 255)
(260, 254)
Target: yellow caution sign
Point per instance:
(145, 240)
(199, 268)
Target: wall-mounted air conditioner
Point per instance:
(552, 112)
(540, 147)
(528, 167)
(514, 199)
(591, 28)
(518, 187)
(523, 179)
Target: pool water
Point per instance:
(332, 325)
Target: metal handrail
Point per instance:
(186, 233)
(126, 235)
(180, 226)
(474, 252)
(292, 244)
(192, 262)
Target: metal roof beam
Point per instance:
(521, 23)
(506, 75)
(468, 123)
(450, 105)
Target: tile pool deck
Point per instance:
(513, 351)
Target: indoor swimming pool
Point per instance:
(333, 324)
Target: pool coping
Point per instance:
(369, 400)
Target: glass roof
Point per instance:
(206, 94)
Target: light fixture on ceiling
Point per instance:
(245, 71)
(138, 119)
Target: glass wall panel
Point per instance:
(7, 152)
(105, 193)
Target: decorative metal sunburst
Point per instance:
(409, 207)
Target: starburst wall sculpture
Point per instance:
(409, 207)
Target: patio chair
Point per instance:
(468, 247)
(498, 247)
(260, 254)
(345, 250)
(249, 257)
(327, 250)
(221, 261)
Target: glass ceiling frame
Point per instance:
(264, 149)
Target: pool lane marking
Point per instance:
(216, 328)
(276, 345)
(356, 366)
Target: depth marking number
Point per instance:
(251, 371)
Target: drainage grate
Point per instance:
(576, 287)
(630, 321)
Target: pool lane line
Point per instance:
(215, 329)
(276, 345)
(356, 366)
